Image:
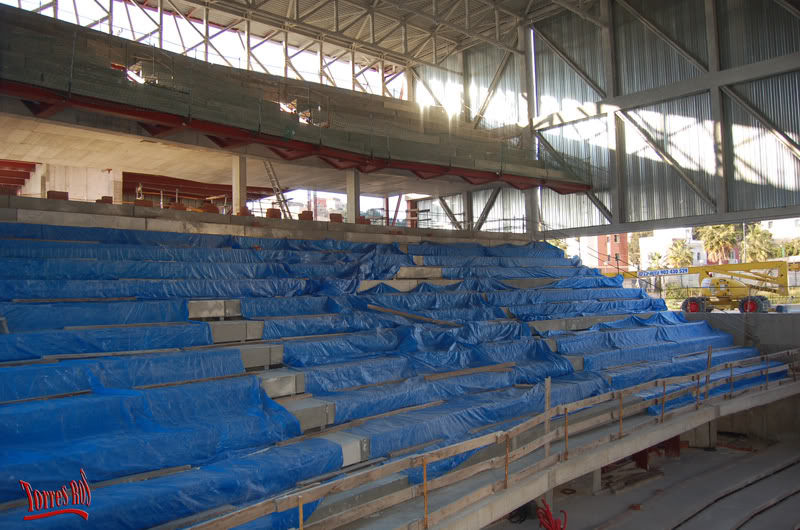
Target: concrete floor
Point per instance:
(628, 509)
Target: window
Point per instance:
(769, 224)
(698, 257)
(616, 238)
(616, 255)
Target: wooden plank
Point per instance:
(413, 448)
(504, 367)
(193, 381)
(45, 398)
(413, 316)
(356, 423)
(363, 510)
(343, 471)
(530, 447)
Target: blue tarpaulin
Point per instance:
(41, 316)
(508, 273)
(35, 344)
(537, 296)
(545, 311)
(536, 249)
(29, 381)
(130, 431)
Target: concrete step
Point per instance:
(419, 273)
(260, 356)
(282, 382)
(578, 323)
(311, 412)
(225, 331)
(199, 309)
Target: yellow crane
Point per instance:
(729, 286)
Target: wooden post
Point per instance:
(708, 367)
(663, 399)
(508, 443)
(425, 488)
(620, 414)
(566, 433)
(300, 509)
(731, 380)
(697, 395)
(547, 414)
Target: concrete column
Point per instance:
(353, 194)
(239, 181)
(524, 43)
(412, 93)
(532, 212)
(469, 217)
(597, 481)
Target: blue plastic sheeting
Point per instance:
(395, 341)
(664, 318)
(533, 250)
(32, 249)
(591, 341)
(655, 351)
(302, 325)
(417, 390)
(29, 381)
(458, 416)
(463, 314)
(585, 282)
(470, 284)
(294, 305)
(35, 344)
(487, 261)
(538, 296)
(169, 289)
(627, 376)
(417, 301)
(235, 481)
(333, 377)
(546, 311)
(756, 379)
(38, 317)
(509, 273)
(174, 239)
(128, 431)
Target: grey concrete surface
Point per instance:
(312, 413)
(771, 332)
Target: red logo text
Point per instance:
(43, 504)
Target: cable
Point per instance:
(546, 519)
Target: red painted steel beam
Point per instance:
(11, 181)
(287, 149)
(30, 167)
(16, 174)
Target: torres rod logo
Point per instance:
(43, 504)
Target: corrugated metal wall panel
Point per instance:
(764, 172)
(585, 145)
(507, 214)
(644, 60)
(683, 128)
(558, 86)
(447, 86)
(755, 30)
(507, 104)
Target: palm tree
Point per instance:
(679, 255)
(760, 246)
(792, 248)
(718, 241)
(654, 258)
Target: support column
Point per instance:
(615, 127)
(239, 181)
(412, 93)
(717, 111)
(524, 43)
(597, 481)
(532, 212)
(469, 219)
(353, 194)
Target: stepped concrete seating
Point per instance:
(223, 373)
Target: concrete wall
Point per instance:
(776, 421)
(82, 184)
(76, 213)
(771, 332)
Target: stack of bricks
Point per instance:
(306, 216)
(361, 220)
(58, 195)
(105, 199)
(273, 213)
(209, 208)
(336, 218)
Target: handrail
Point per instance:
(288, 501)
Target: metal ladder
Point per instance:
(276, 189)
